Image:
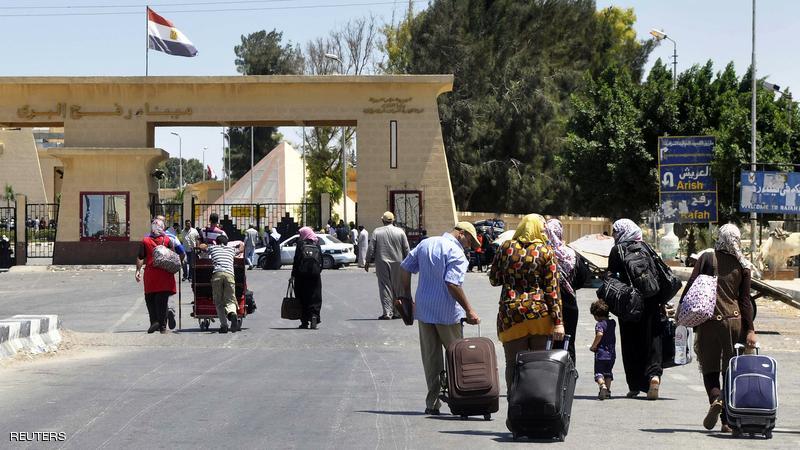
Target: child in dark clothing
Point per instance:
(605, 342)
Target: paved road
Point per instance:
(355, 383)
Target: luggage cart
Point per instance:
(204, 309)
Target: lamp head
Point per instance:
(333, 56)
(658, 34)
(158, 174)
(174, 133)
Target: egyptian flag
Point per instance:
(164, 37)
(210, 173)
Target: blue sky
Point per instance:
(41, 45)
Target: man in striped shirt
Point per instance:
(223, 283)
(441, 302)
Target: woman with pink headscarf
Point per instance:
(306, 270)
(158, 283)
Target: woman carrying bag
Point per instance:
(307, 279)
(731, 321)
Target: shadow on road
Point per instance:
(674, 430)
(394, 413)
(499, 436)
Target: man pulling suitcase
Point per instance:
(440, 301)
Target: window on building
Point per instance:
(393, 144)
(104, 216)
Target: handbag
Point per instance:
(166, 259)
(405, 306)
(291, 309)
(700, 301)
(668, 283)
(623, 300)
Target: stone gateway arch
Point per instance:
(109, 157)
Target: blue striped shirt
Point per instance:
(438, 261)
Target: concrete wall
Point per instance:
(19, 165)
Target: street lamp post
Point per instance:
(344, 145)
(753, 217)
(660, 36)
(180, 160)
(225, 135)
(204, 163)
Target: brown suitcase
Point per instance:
(471, 382)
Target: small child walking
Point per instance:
(605, 342)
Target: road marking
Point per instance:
(136, 306)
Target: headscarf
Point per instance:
(565, 255)
(274, 233)
(157, 227)
(729, 241)
(307, 233)
(531, 230)
(625, 230)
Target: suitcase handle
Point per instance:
(549, 345)
(739, 347)
(463, 321)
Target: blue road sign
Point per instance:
(687, 189)
(770, 192)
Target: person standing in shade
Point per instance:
(190, 238)
(441, 302)
(354, 236)
(158, 283)
(213, 230)
(250, 240)
(306, 273)
(388, 246)
(363, 245)
(223, 282)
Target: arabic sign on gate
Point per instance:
(770, 192)
(688, 191)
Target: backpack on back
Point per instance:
(310, 259)
(640, 267)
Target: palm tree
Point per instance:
(9, 194)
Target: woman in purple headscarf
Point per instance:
(573, 273)
(306, 270)
(641, 341)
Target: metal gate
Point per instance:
(40, 229)
(8, 236)
(287, 218)
(172, 212)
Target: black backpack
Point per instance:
(310, 259)
(640, 268)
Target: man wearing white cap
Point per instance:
(388, 246)
(440, 300)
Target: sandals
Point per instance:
(652, 393)
(604, 393)
(713, 415)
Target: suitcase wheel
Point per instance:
(515, 436)
(768, 434)
(487, 417)
(464, 417)
(560, 437)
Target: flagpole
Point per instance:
(146, 39)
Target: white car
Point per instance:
(335, 253)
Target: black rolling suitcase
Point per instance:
(471, 384)
(751, 394)
(540, 399)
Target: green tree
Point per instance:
(9, 194)
(260, 53)
(192, 171)
(606, 153)
(515, 65)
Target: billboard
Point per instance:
(770, 192)
(687, 189)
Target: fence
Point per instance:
(40, 229)
(287, 218)
(574, 227)
(7, 231)
(172, 212)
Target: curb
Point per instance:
(29, 333)
(61, 268)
